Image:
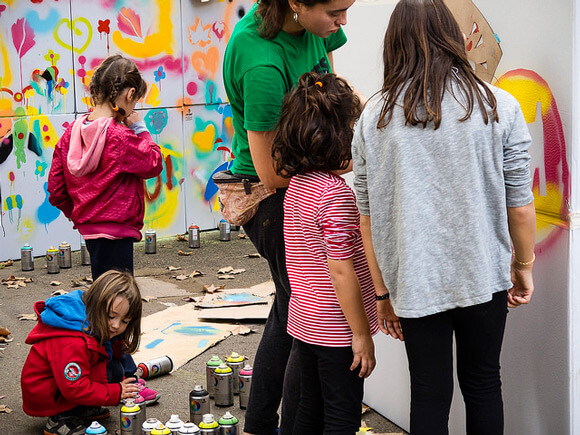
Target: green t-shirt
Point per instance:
(258, 72)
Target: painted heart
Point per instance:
(80, 33)
(203, 140)
(206, 64)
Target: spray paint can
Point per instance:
(210, 366)
(160, 430)
(224, 390)
(64, 256)
(198, 404)
(208, 425)
(174, 424)
(228, 425)
(26, 258)
(245, 382)
(189, 428)
(52, 260)
(148, 425)
(85, 256)
(193, 233)
(96, 428)
(150, 241)
(154, 367)
(236, 362)
(130, 418)
(224, 231)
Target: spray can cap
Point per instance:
(198, 388)
(189, 428)
(95, 428)
(130, 406)
(228, 419)
(150, 423)
(235, 357)
(27, 246)
(223, 368)
(51, 249)
(208, 421)
(247, 370)
(214, 361)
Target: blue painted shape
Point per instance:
(46, 213)
(202, 343)
(42, 26)
(211, 188)
(154, 343)
(241, 297)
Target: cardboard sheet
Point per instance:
(152, 288)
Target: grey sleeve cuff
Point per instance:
(360, 172)
(516, 163)
(138, 127)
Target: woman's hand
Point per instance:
(388, 320)
(129, 388)
(363, 349)
(523, 285)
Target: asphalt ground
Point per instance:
(175, 387)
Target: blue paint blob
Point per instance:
(43, 26)
(47, 213)
(154, 343)
(195, 330)
(202, 343)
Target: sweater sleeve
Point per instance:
(58, 193)
(140, 155)
(360, 171)
(71, 368)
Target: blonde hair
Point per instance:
(99, 299)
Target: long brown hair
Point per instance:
(99, 299)
(423, 54)
(316, 125)
(271, 15)
(114, 75)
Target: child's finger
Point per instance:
(355, 362)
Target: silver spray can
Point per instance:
(210, 366)
(193, 233)
(245, 382)
(198, 404)
(52, 260)
(64, 256)
(228, 425)
(174, 424)
(148, 425)
(150, 241)
(235, 362)
(85, 256)
(224, 389)
(189, 428)
(26, 258)
(224, 231)
(208, 425)
(155, 367)
(130, 418)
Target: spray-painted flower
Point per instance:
(159, 74)
(52, 57)
(104, 26)
(40, 168)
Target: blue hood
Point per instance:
(66, 311)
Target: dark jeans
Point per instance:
(331, 394)
(479, 331)
(275, 366)
(109, 254)
(117, 370)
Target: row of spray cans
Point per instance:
(229, 378)
(56, 259)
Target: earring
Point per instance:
(295, 16)
(115, 108)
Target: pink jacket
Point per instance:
(96, 177)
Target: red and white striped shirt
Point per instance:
(321, 221)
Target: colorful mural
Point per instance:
(48, 53)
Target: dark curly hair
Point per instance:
(316, 126)
(114, 75)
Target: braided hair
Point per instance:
(114, 75)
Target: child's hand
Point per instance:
(132, 118)
(363, 349)
(129, 388)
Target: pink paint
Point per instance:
(192, 88)
(11, 176)
(169, 63)
(45, 127)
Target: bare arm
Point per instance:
(261, 150)
(522, 227)
(388, 320)
(348, 293)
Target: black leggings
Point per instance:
(479, 331)
(107, 254)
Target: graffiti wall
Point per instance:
(49, 50)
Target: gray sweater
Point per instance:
(437, 201)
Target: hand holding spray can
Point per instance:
(224, 391)
(52, 260)
(210, 366)
(26, 258)
(64, 256)
(245, 384)
(198, 404)
(235, 362)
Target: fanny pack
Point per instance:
(239, 195)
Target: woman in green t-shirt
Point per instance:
(270, 47)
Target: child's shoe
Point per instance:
(146, 395)
(92, 413)
(71, 425)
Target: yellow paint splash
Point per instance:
(204, 140)
(162, 214)
(6, 76)
(528, 93)
(152, 97)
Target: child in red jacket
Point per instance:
(78, 333)
(99, 164)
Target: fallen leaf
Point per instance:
(4, 331)
(12, 286)
(180, 252)
(255, 255)
(29, 280)
(172, 268)
(75, 283)
(168, 304)
(5, 409)
(181, 238)
(10, 278)
(241, 330)
(27, 316)
(20, 278)
(21, 284)
(148, 298)
(87, 279)
(55, 283)
(242, 236)
(212, 288)
(58, 292)
(181, 277)
(226, 277)
(5, 340)
(237, 271)
(192, 299)
(2, 396)
(195, 273)
(227, 269)
(365, 409)
(6, 263)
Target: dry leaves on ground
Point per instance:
(181, 238)
(27, 316)
(5, 409)
(6, 263)
(55, 283)
(241, 330)
(182, 253)
(172, 268)
(255, 255)
(213, 288)
(242, 236)
(59, 292)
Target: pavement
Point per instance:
(174, 387)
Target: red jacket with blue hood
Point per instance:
(65, 367)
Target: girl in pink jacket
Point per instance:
(99, 164)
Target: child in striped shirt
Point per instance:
(332, 311)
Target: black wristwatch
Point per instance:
(382, 297)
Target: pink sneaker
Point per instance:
(146, 395)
